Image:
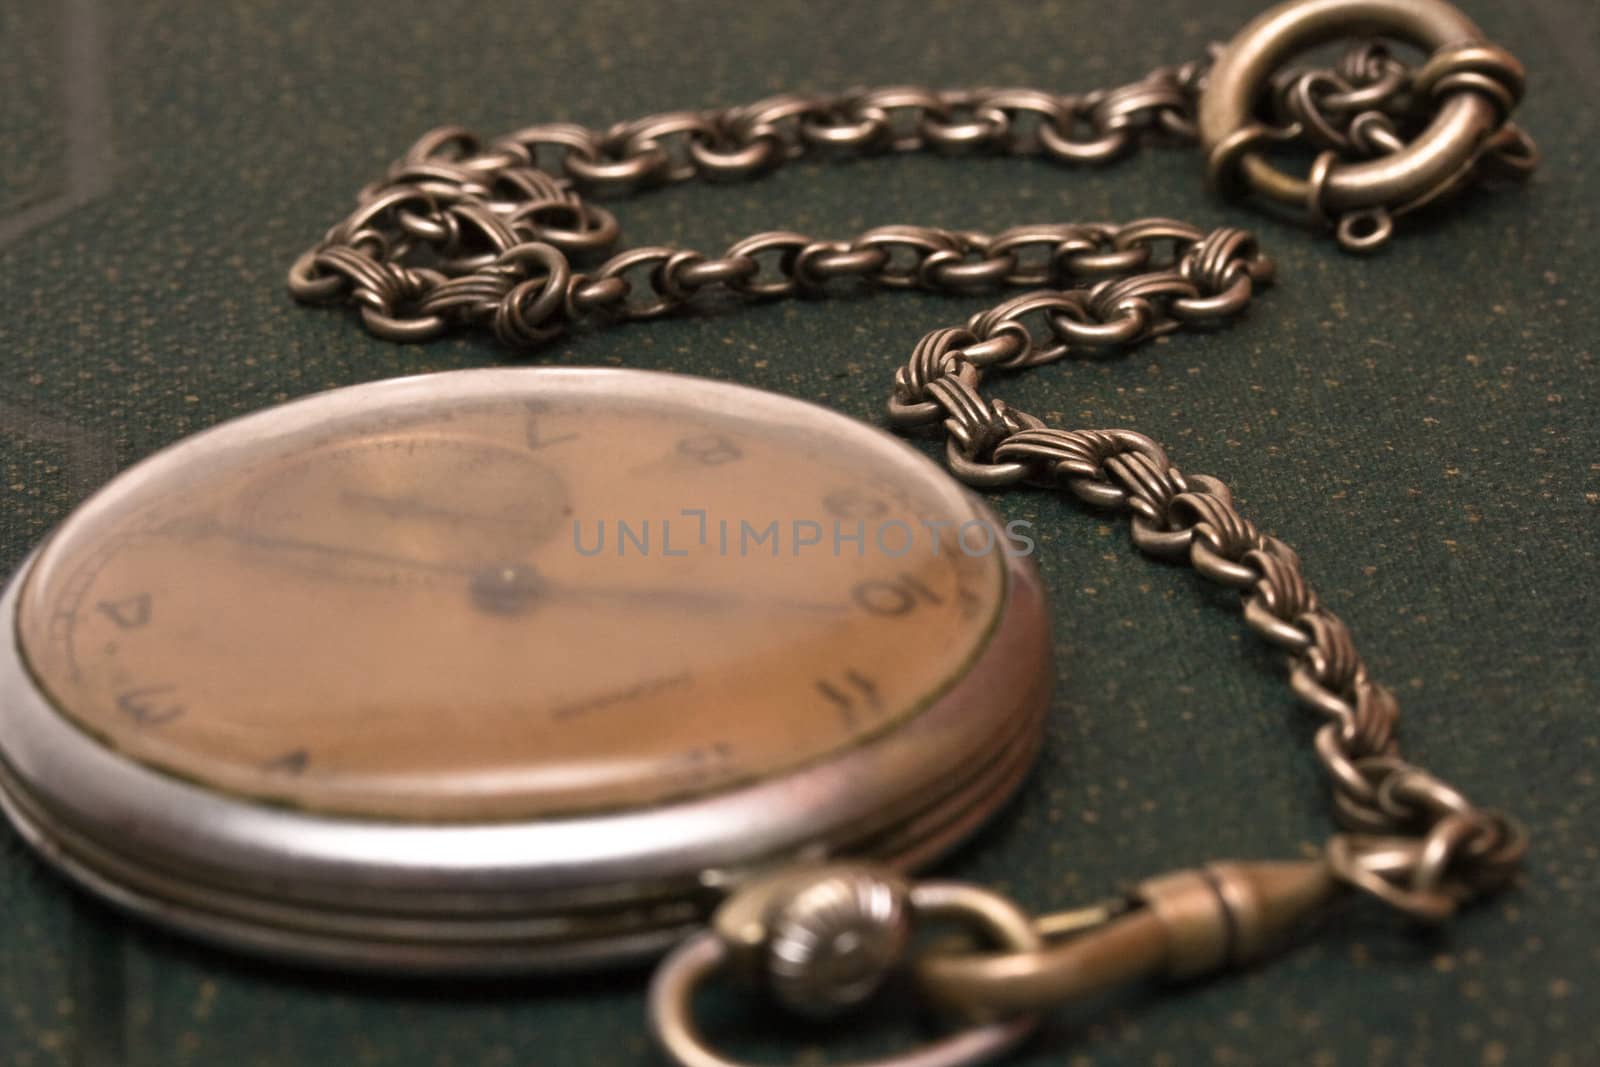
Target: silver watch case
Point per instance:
(503, 897)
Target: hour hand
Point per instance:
(413, 507)
(389, 505)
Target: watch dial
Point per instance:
(446, 598)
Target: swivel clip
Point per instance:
(1179, 925)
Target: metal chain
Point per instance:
(1412, 840)
(444, 238)
(461, 233)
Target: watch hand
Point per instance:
(270, 541)
(692, 597)
(411, 506)
(512, 588)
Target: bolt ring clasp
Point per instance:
(1360, 195)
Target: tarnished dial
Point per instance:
(508, 668)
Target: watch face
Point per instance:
(512, 595)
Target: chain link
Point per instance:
(462, 233)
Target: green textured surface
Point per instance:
(1421, 425)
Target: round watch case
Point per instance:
(504, 895)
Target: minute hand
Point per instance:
(366, 555)
(702, 599)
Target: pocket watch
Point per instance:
(512, 668)
(536, 668)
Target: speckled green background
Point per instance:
(1421, 425)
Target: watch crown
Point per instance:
(827, 936)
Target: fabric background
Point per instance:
(1421, 425)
